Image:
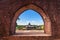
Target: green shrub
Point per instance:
(42, 27)
(19, 27)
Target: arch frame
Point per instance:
(47, 22)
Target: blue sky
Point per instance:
(30, 16)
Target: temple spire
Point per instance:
(29, 24)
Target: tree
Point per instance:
(18, 18)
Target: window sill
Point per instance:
(34, 35)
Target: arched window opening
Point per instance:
(31, 22)
(18, 19)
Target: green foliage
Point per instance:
(22, 27)
(42, 27)
(19, 27)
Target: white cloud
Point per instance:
(26, 22)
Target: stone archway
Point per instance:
(47, 23)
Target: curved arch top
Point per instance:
(36, 8)
(31, 6)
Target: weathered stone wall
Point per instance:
(9, 7)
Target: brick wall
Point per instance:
(9, 7)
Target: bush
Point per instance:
(42, 27)
(19, 27)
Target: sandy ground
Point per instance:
(30, 33)
(23, 31)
